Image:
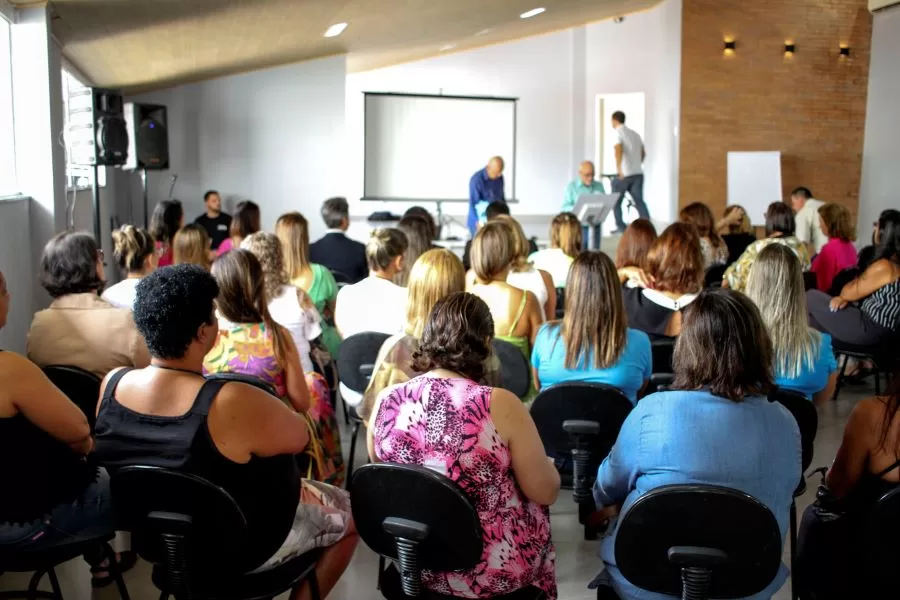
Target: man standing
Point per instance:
(630, 156)
(585, 184)
(807, 220)
(345, 258)
(485, 186)
(214, 221)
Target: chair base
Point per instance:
(392, 589)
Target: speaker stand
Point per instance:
(146, 202)
(95, 195)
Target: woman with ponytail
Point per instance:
(136, 255)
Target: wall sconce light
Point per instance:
(845, 50)
(730, 46)
(789, 48)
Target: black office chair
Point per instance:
(560, 302)
(341, 279)
(662, 375)
(194, 534)
(356, 363)
(82, 387)
(420, 520)
(582, 420)
(714, 275)
(515, 368)
(697, 542)
(248, 379)
(884, 357)
(882, 551)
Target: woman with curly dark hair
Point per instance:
(482, 438)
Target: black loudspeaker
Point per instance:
(97, 132)
(148, 136)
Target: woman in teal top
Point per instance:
(593, 343)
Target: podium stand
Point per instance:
(592, 210)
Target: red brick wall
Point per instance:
(811, 106)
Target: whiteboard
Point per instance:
(428, 147)
(754, 182)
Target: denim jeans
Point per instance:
(586, 235)
(634, 185)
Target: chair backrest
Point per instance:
(560, 303)
(82, 387)
(662, 349)
(804, 412)
(702, 516)
(419, 495)
(242, 378)
(714, 275)
(357, 357)
(514, 366)
(882, 552)
(579, 401)
(340, 278)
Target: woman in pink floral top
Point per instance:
(483, 439)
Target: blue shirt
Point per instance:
(812, 381)
(633, 368)
(482, 191)
(577, 188)
(694, 437)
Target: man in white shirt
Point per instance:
(630, 156)
(807, 219)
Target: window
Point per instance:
(8, 185)
(77, 115)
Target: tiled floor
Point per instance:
(576, 559)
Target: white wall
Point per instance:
(880, 186)
(15, 240)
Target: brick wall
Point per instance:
(810, 106)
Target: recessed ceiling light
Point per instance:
(336, 30)
(532, 13)
(484, 31)
(446, 47)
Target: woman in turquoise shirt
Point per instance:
(716, 427)
(803, 361)
(592, 343)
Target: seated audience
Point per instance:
(317, 281)
(244, 224)
(736, 231)
(671, 278)
(779, 230)
(839, 252)
(593, 342)
(344, 257)
(887, 220)
(834, 547)
(715, 252)
(806, 209)
(483, 439)
(867, 311)
(715, 427)
(192, 246)
(80, 329)
(492, 211)
(422, 212)
(804, 360)
(216, 222)
(251, 343)
(136, 255)
(635, 243)
(376, 303)
(233, 434)
(516, 313)
(565, 245)
(418, 231)
(167, 219)
(437, 274)
(525, 276)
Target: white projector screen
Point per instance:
(428, 147)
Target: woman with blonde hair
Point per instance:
(192, 246)
(565, 245)
(715, 252)
(804, 360)
(317, 281)
(137, 256)
(736, 231)
(525, 276)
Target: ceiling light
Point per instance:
(532, 13)
(336, 30)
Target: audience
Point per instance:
(136, 255)
(670, 280)
(317, 281)
(888, 219)
(167, 219)
(716, 427)
(422, 212)
(735, 229)
(192, 246)
(635, 243)
(806, 209)
(235, 435)
(565, 245)
(524, 276)
(838, 253)
(80, 329)
(375, 303)
(344, 257)
(482, 438)
(715, 252)
(418, 231)
(216, 223)
(244, 224)
(804, 360)
(593, 342)
(492, 211)
(779, 230)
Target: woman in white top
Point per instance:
(525, 276)
(565, 245)
(289, 306)
(136, 255)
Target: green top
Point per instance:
(322, 291)
(522, 343)
(577, 188)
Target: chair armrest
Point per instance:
(696, 556)
(577, 427)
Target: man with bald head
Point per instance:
(485, 186)
(585, 184)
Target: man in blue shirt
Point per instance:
(585, 184)
(485, 186)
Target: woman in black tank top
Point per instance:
(231, 434)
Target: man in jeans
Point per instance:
(629, 159)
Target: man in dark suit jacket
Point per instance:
(344, 257)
